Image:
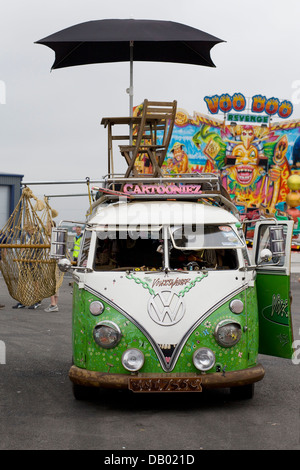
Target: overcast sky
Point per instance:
(50, 122)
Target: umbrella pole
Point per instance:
(131, 89)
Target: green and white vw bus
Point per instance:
(166, 297)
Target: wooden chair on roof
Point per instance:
(156, 125)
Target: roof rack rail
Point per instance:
(205, 186)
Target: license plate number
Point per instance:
(176, 384)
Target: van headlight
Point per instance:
(228, 333)
(133, 359)
(204, 359)
(107, 334)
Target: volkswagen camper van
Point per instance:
(167, 297)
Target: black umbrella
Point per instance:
(119, 40)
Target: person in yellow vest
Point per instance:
(76, 243)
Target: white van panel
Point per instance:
(166, 306)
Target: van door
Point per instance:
(273, 292)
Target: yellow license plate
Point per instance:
(165, 384)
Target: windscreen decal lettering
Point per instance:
(189, 284)
(170, 282)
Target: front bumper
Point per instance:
(208, 381)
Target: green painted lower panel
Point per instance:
(87, 354)
(79, 325)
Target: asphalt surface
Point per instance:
(38, 410)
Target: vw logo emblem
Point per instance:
(166, 308)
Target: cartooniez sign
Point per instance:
(253, 155)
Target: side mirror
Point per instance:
(277, 242)
(64, 265)
(59, 238)
(265, 255)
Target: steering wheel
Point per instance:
(194, 265)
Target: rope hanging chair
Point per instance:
(28, 271)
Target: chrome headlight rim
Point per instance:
(211, 356)
(135, 351)
(96, 307)
(116, 330)
(223, 324)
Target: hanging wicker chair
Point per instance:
(28, 271)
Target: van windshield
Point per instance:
(121, 250)
(205, 236)
(196, 247)
(143, 250)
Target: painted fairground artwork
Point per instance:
(254, 156)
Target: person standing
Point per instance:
(53, 307)
(76, 243)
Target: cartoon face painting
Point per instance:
(246, 168)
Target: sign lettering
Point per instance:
(247, 118)
(279, 306)
(171, 189)
(278, 311)
(259, 104)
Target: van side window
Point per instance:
(264, 242)
(105, 255)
